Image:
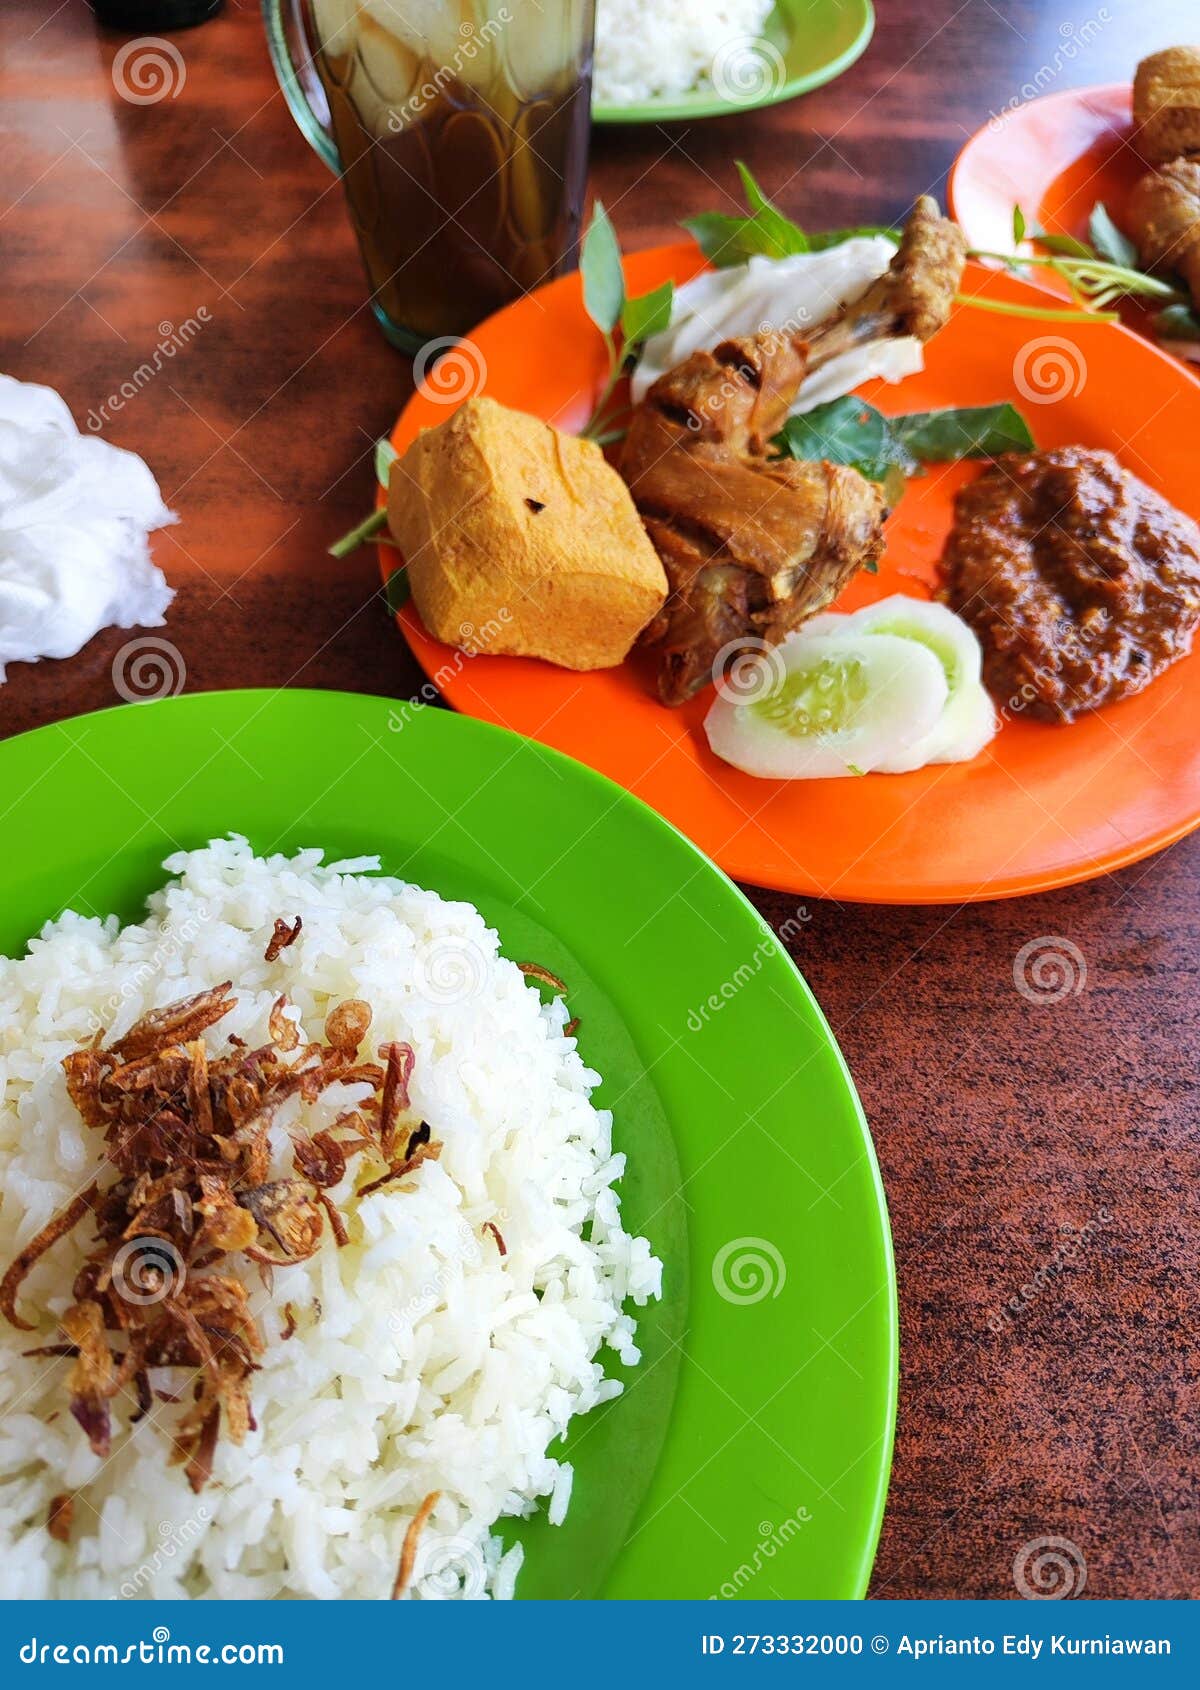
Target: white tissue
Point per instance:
(75, 513)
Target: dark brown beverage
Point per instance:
(462, 130)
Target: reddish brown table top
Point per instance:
(1001, 1125)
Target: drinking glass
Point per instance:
(460, 131)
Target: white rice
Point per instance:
(423, 1360)
(650, 49)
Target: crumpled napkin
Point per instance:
(75, 513)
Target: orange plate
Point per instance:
(1042, 806)
(1054, 157)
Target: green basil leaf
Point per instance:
(834, 237)
(396, 590)
(786, 236)
(600, 267)
(647, 314)
(1109, 241)
(1178, 322)
(972, 431)
(385, 456)
(846, 431)
(726, 240)
(1062, 246)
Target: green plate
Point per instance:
(805, 43)
(750, 1451)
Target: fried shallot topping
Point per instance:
(408, 1552)
(187, 1135)
(58, 1522)
(286, 933)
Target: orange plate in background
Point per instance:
(1042, 806)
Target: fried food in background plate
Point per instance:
(754, 545)
(1166, 104)
(1164, 217)
(520, 539)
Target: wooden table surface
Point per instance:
(1013, 1136)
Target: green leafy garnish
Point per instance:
(601, 273)
(846, 431)
(968, 431)
(1018, 225)
(1108, 241)
(385, 456)
(396, 590)
(764, 230)
(359, 534)
(1178, 322)
(887, 449)
(649, 313)
(1098, 274)
(605, 303)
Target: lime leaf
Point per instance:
(396, 590)
(1178, 322)
(1108, 240)
(846, 431)
(726, 240)
(385, 456)
(834, 237)
(1063, 246)
(600, 267)
(647, 314)
(970, 431)
(787, 237)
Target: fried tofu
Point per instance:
(520, 539)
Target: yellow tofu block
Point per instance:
(520, 539)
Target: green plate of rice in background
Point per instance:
(666, 61)
(748, 1454)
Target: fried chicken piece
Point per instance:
(1164, 214)
(753, 545)
(1166, 104)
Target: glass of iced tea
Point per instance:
(460, 131)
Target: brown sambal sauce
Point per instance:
(1081, 582)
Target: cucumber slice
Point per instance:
(934, 625)
(829, 704)
(969, 720)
